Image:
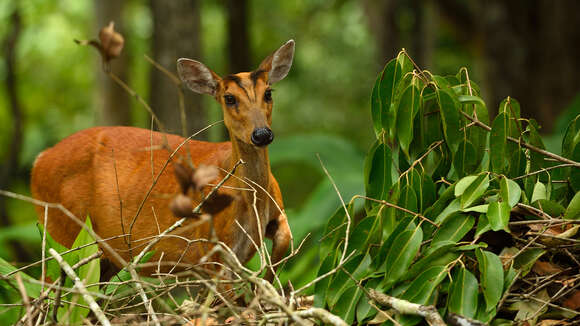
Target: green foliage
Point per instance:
(74, 309)
(438, 179)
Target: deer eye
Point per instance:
(229, 100)
(268, 95)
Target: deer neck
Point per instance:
(256, 168)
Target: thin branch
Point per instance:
(430, 313)
(81, 287)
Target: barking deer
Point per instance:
(108, 173)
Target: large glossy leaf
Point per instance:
(378, 171)
(498, 142)
(453, 229)
(405, 223)
(376, 113)
(88, 273)
(540, 192)
(498, 215)
(533, 137)
(406, 111)
(438, 255)
(463, 293)
(454, 206)
(526, 259)
(335, 230)
(573, 210)
(9, 284)
(358, 267)
(392, 75)
(366, 231)
(347, 303)
(464, 160)
(571, 138)
(408, 200)
(423, 285)
(475, 190)
(510, 191)
(491, 277)
(575, 172)
(320, 288)
(449, 109)
(401, 254)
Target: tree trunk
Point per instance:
(532, 50)
(113, 102)
(176, 34)
(239, 50)
(10, 167)
(384, 23)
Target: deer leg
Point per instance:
(279, 231)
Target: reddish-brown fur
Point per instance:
(105, 172)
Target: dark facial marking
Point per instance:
(255, 75)
(238, 82)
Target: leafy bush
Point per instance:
(456, 212)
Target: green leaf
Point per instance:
(337, 226)
(477, 209)
(347, 303)
(526, 259)
(484, 314)
(408, 200)
(468, 99)
(539, 192)
(573, 210)
(498, 215)
(453, 229)
(575, 172)
(463, 294)
(498, 141)
(406, 111)
(401, 254)
(549, 207)
(32, 289)
(321, 287)
(376, 113)
(449, 109)
(510, 191)
(439, 254)
(462, 184)
(464, 159)
(361, 233)
(482, 225)
(358, 267)
(453, 207)
(517, 163)
(423, 286)
(88, 273)
(491, 277)
(571, 138)
(378, 171)
(475, 190)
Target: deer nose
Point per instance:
(262, 136)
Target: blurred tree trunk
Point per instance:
(176, 34)
(530, 51)
(10, 167)
(113, 102)
(238, 40)
(239, 49)
(392, 33)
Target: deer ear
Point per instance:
(278, 63)
(197, 76)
